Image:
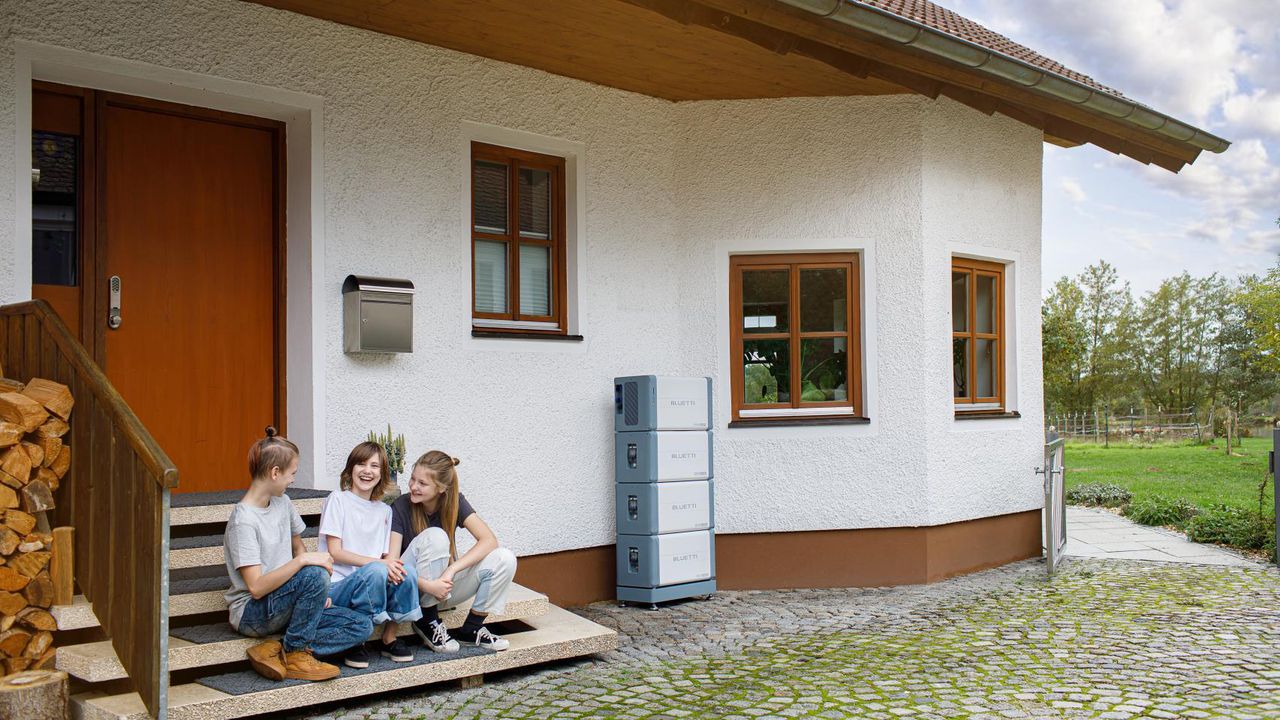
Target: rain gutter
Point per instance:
(903, 31)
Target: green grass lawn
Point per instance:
(1201, 474)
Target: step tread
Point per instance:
(214, 554)
(217, 506)
(97, 661)
(209, 541)
(555, 635)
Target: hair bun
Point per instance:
(456, 462)
(271, 431)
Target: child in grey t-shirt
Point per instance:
(276, 585)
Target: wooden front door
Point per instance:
(189, 210)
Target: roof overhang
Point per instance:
(735, 49)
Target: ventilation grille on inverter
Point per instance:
(630, 404)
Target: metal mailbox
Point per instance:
(377, 315)
(662, 456)
(658, 402)
(660, 508)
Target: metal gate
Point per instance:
(1055, 501)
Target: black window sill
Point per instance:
(799, 421)
(517, 335)
(988, 415)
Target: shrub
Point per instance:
(1237, 527)
(1099, 495)
(1161, 511)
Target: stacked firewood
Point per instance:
(33, 461)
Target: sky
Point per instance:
(1214, 64)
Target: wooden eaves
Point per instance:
(684, 50)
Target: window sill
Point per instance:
(799, 421)
(519, 335)
(987, 415)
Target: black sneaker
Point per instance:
(435, 636)
(356, 657)
(397, 651)
(482, 638)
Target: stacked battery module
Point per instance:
(664, 489)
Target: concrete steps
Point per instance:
(555, 635)
(197, 583)
(97, 661)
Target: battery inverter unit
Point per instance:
(665, 495)
(654, 402)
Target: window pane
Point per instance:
(959, 302)
(489, 196)
(535, 204)
(823, 364)
(986, 369)
(823, 300)
(766, 366)
(491, 276)
(960, 366)
(535, 280)
(766, 299)
(54, 248)
(985, 306)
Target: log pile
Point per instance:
(33, 461)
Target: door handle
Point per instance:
(113, 312)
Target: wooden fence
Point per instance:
(116, 495)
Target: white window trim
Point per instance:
(574, 154)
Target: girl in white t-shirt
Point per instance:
(355, 529)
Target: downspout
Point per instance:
(906, 32)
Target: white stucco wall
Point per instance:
(667, 193)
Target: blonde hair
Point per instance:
(441, 465)
(362, 453)
(270, 452)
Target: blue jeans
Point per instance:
(369, 592)
(297, 607)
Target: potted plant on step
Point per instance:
(394, 445)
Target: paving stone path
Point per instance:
(1098, 533)
(1104, 639)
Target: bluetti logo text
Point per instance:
(684, 456)
(684, 558)
(685, 506)
(682, 403)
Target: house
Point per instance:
(830, 207)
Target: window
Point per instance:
(517, 241)
(795, 335)
(977, 334)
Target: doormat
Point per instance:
(248, 681)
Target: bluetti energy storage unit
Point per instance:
(665, 495)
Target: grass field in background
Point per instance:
(1201, 474)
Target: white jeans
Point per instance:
(487, 581)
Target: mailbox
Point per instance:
(377, 315)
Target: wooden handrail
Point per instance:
(116, 495)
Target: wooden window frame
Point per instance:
(796, 410)
(973, 404)
(513, 321)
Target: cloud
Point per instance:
(1073, 190)
(1257, 112)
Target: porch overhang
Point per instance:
(683, 50)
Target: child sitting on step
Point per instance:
(355, 529)
(276, 585)
(422, 529)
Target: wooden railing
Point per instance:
(116, 495)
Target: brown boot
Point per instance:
(302, 665)
(267, 658)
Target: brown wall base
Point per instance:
(815, 559)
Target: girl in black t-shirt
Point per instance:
(423, 522)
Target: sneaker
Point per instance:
(302, 665)
(356, 657)
(435, 636)
(267, 658)
(484, 639)
(397, 651)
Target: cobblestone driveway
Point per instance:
(1105, 639)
